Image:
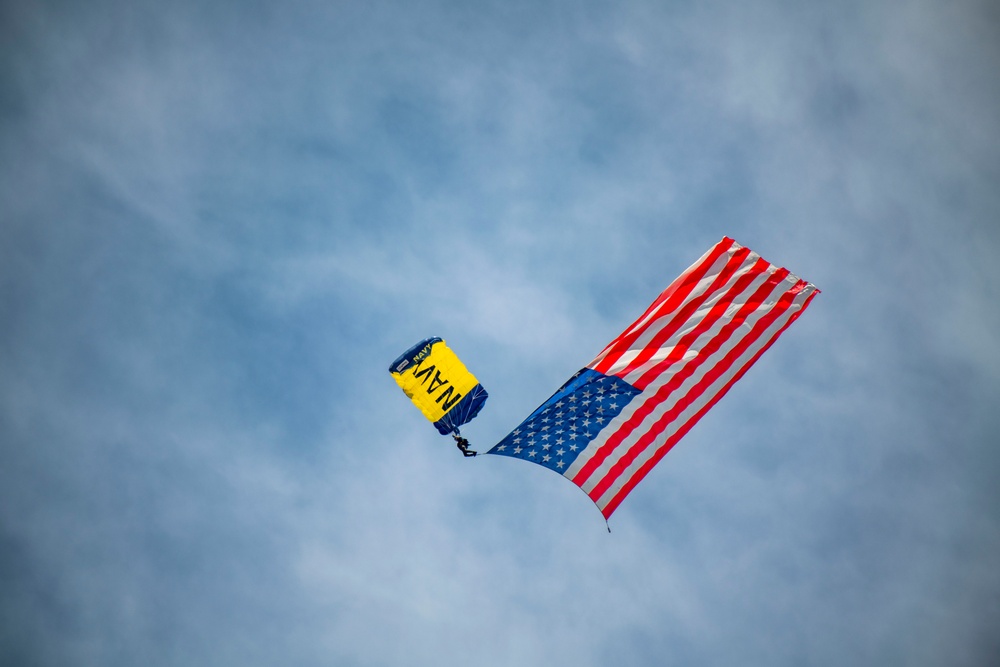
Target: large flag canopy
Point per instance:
(615, 419)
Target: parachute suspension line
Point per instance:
(462, 443)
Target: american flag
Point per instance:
(616, 418)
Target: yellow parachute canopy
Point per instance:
(439, 384)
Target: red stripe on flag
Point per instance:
(666, 302)
(661, 393)
(677, 382)
(714, 316)
(684, 315)
(692, 275)
(643, 470)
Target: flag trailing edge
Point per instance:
(609, 424)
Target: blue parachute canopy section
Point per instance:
(464, 412)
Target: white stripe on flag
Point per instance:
(654, 401)
(647, 339)
(662, 306)
(698, 320)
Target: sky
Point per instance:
(220, 222)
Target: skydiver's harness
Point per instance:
(462, 443)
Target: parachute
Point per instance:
(438, 383)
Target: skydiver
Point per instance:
(463, 445)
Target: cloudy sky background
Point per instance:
(219, 222)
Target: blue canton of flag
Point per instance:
(555, 433)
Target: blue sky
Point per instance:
(219, 222)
